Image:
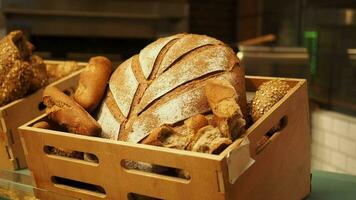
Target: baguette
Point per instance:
(66, 112)
(92, 83)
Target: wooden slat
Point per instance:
(281, 169)
(20, 111)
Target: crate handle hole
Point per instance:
(70, 184)
(41, 106)
(72, 154)
(69, 91)
(272, 134)
(135, 196)
(179, 175)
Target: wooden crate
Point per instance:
(21, 111)
(281, 169)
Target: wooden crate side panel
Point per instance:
(20, 111)
(252, 83)
(6, 160)
(109, 174)
(6, 157)
(282, 168)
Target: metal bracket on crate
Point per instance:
(239, 160)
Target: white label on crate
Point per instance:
(110, 127)
(239, 160)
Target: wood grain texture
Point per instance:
(19, 112)
(281, 170)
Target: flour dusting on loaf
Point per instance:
(149, 54)
(123, 85)
(176, 69)
(212, 59)
(110, 126)
(183, 46)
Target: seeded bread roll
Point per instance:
(66, 112)
(57, 71)
(40, 77)
(15, 71)
(268, 94)
(92, 83)
(164, 84)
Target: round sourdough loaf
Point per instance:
(164, 84)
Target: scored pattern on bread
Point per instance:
(164, 84)
(212, 59)
(123, 85)
(148, 55)
(173, 108)
(110, 126)
(183, 46)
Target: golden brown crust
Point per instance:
(57, 71)
(66, 112)
(268, 94)
(223, 101)
(42, 124)
(92, 83)
(40, 77)
(15, 71)
(167, 82)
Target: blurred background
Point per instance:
(312, 39)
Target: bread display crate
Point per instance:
(256, 166)
(21, 111)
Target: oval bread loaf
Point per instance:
(164, 84)
(92, 83)
(66, 112)
(268, 94)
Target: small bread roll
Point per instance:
(268, 94)
(66, 112)
(42, 124)
(40, 77)
(92, 83)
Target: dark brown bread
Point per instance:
(92, 83)
(66, 112)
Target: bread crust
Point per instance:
(92, 83)
(66, 112)
(169, 76)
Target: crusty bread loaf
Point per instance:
(66, 112)
(42, 124)
(15, 72)
(223, 99)
(268, 94)
(92, 83)
(40, 77)
(164, 84)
